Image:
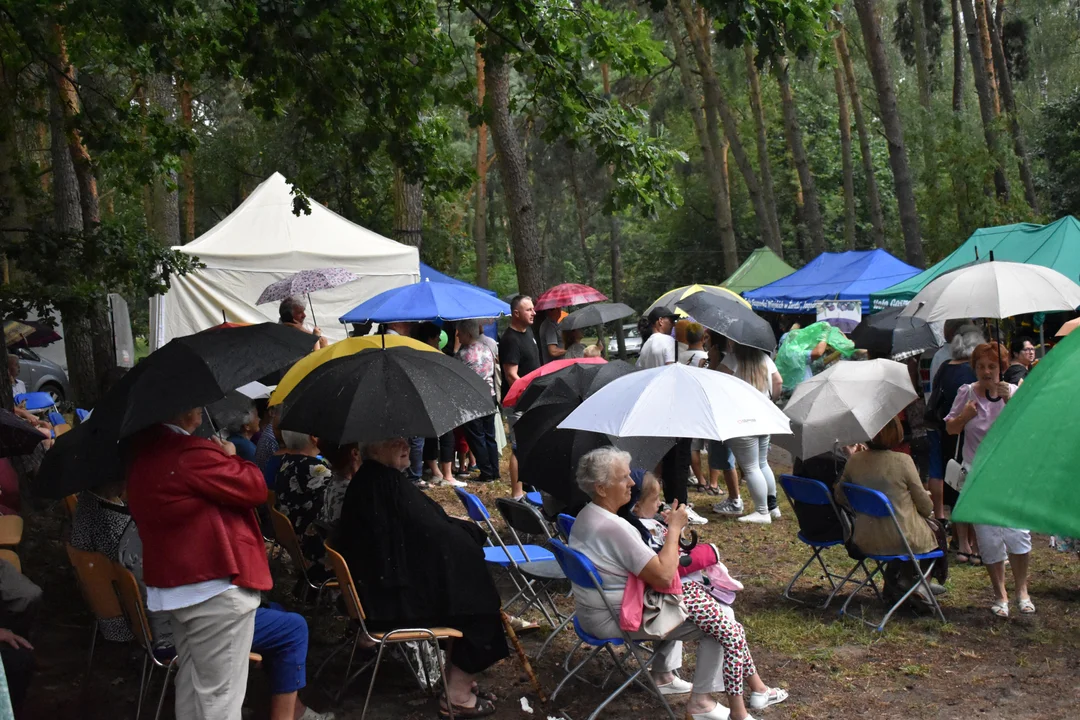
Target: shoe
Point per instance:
(692, 481)
(756, 518)
(937, 589)
(732, 507)
(455, 483)
(310, 714)
(678, 686)
(693, 518)
(774, 513)
(772, 696)
(422, 484)
(482, 478)
(717, 713)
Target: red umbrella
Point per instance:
(523, 382)
(568, 294)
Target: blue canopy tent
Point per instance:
(851, 275)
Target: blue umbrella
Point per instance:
(427, 301)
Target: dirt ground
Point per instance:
(974, 666)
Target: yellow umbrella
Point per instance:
(349, 346)
(671, 297)
(15, 331)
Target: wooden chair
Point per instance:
(356, 614)
(94, 575)
(134, 610)
(286, 537)
(12, 558)
(11, 530)
(71, 504)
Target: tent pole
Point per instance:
(1042, 341)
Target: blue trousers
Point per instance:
(282, 639)
(416, 457)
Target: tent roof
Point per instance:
(430, 274)
(1056, 246)
(263, 235)
(851, 275)
(761, 268)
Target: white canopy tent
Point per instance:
(262, 241)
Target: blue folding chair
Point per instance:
(36, 401)
(535, 499)
(814, 496)
(873, 503)
(583, 574)
(83, 415)
(564, 523)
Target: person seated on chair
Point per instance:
(618, 550)
(239, 422)
(415, 566)
(104, 524)
(818, 522)
(301, 484)
(895, 475)
(344, 461)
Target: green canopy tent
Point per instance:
(761, 268)
(1024, 474)
(1056, 246)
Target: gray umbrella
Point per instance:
(595, 314)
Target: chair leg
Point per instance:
(562, 626)
(375, 674)
(787, 591)
(869, 579)
(164, 688)
(442, 671)
(142, 684)
(571, 673)
(93, 645)
(348, 668)
(925, 584)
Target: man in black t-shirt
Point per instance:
(519, 355)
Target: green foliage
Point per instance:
(1059, 147)
(775, 27)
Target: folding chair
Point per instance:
(36, 402)
(402, 635)
(510, 558)
(134, 610)
(11, 530)
(71, 504)
(535, 499)
(286, 537)
(816, 495)
(865, 501)
(564, 523)
(583, 573)
(12, 557)
(94, 576)
(82, 415)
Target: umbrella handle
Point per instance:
(314, 322)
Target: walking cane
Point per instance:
(521, 656)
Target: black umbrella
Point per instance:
(886, 334)
(381, 394)
(730, 318)
(17, 437)
(580, 381)
(596, 314)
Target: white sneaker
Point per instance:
(756, 518)
(775, 513)
(693, 518)
(730, 507)
(455, 483)
(678, 686)
(717, 713)
(310, 714)
(773, 696)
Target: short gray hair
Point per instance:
(470, 328)
(594, 468)
(287, 306)
(234, 419)
(295, 440)
(965, 341)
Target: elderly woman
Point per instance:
(976, 407)
(415, 566)
(618, 550)
(480, 432)
(894, 474)
(239, 422)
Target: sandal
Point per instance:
(1001, 609)
(976, 559)
(962, 558)
(483, 708)
(484, 694)
(1026, 606)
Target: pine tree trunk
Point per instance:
(811, 206)
(12, 212)
(846, 159)
(579, 206)
(894, 131)
(986, 101)
(480, 206)
(922, 69)
(62, 73)
(873, 198)
(958, 60)
(982, 22)
(408, 210)
(1005, 86)
(187, 160)
(515, 178)
(768, 189)
(164, 220)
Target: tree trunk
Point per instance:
(515, 178)
(187, 160)
(986, 101)
(922, 68)
(579, 205)
(62, 73)
(408, 210)
(768, 190)
(982, 22)
(480, 206)
(873, 198)
(894, 131)
(1005, 86)
(845, 152)
(958, 60)
(12, 213)
(715, 101)
(707, 129)
(811, 206)
(164, 220)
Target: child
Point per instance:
(647, 508)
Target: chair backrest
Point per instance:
(134, 609)
(57, 419)
(95, 575)
(35, 400)
(11, 530)
(286, 536)
(565, 523)
(474, 506)
(12, 557)
(521, 517)
(82, 414)
(577, 568)
(71, 503)
(805, 490)
(345, 583)
(867, 501)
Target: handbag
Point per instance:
(661, 613)
(955, 474)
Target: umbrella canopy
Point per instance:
(679, 401)
(17, 437)
(40, 334)
(304, 282)
(1067, 328)
(427, 301)
(573, 382)
(568, 294)
(731, 319)
(886, 333)
(848, 403)
(14, 331)
(1027, 442)
(381, 394)
(597, 314)
(516, 390)
(671, 297)
(349, 346)
(994, 289)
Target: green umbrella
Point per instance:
(1024, 474)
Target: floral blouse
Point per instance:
(301, 484)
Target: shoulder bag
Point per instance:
(955, 474)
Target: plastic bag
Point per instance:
(793, 356)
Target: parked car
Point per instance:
(633, 342)
(41, 375)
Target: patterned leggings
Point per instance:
(705, 612)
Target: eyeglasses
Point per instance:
(1030, 350)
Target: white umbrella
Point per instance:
(678, 401)
(994, 289)
(848, 403)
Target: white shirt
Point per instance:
(693, 358)
(616, 549)
(732, 364)
(658, 350)
(18, 387)
(182, 596)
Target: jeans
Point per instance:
(481, 436)
(282, 639)
(752, 454)
(416, 458)
(720, 457)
